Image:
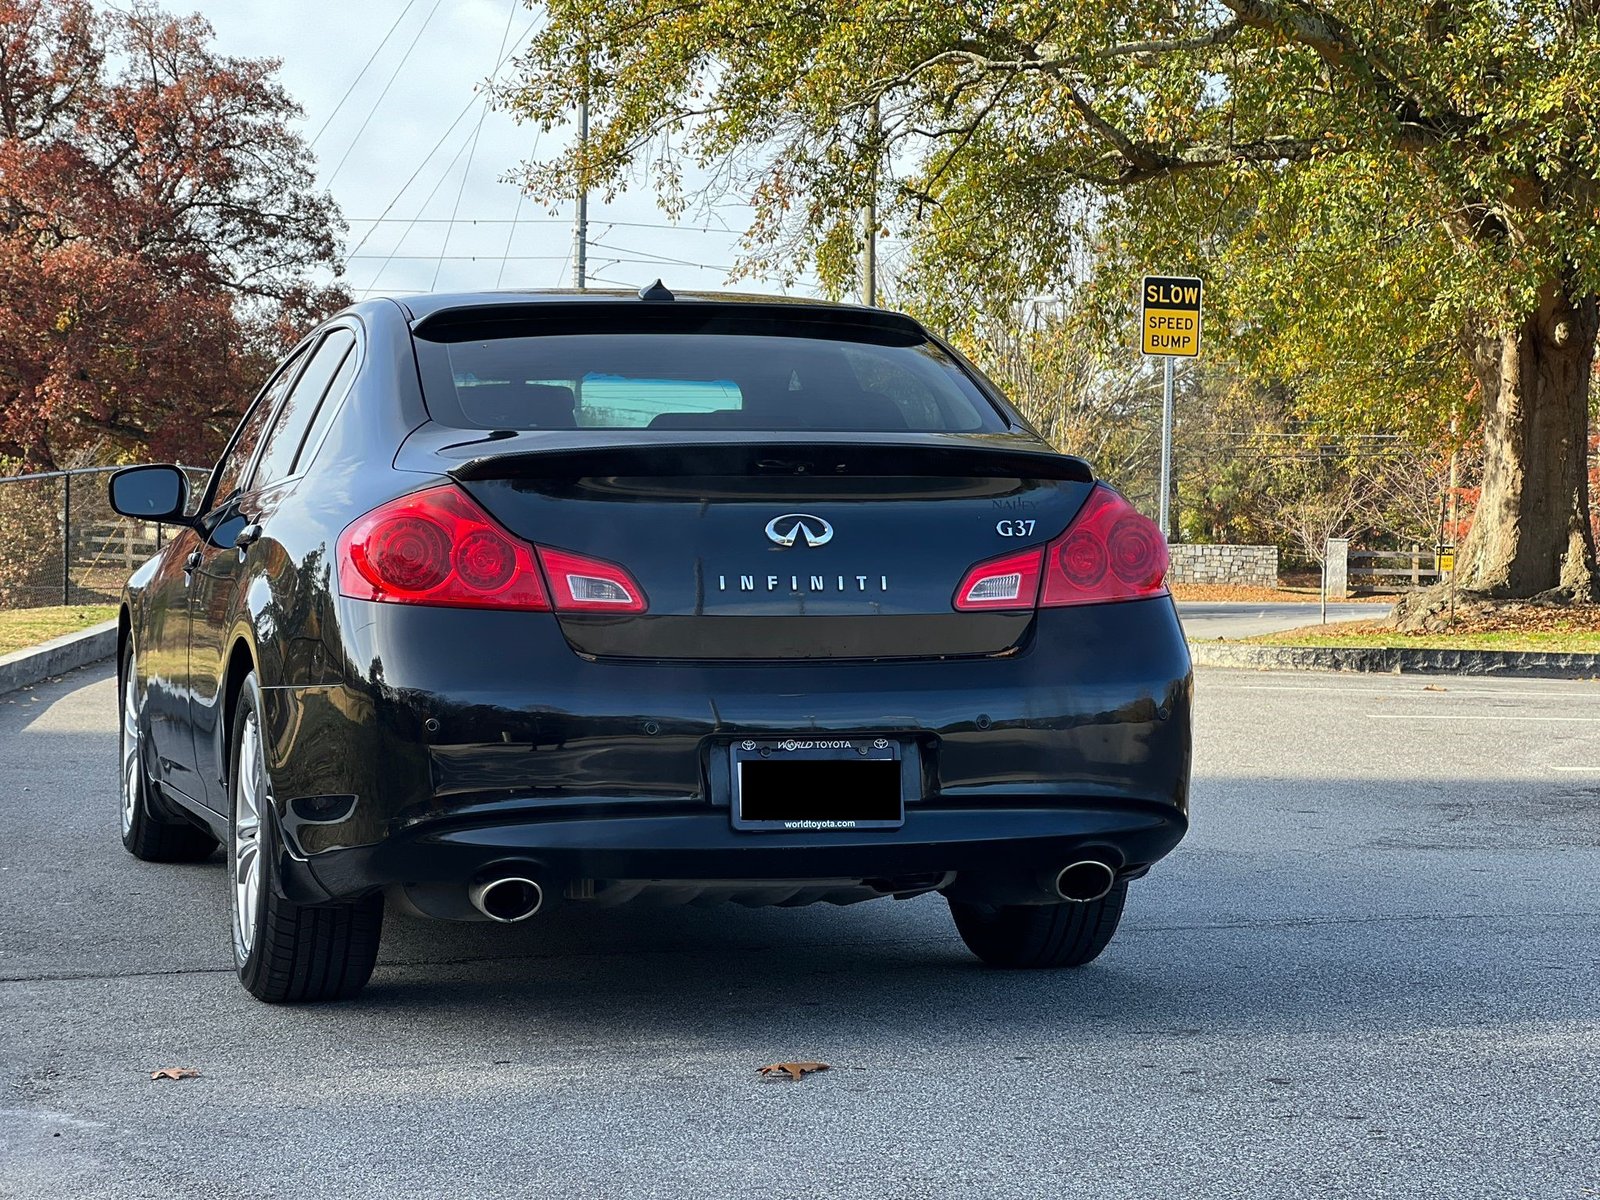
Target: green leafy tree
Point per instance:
(1402, 200)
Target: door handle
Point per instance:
(247, 535)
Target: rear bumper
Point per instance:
(999, 852)
(470, 741)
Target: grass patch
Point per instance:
(24, 627)
(1574, 637)
(1210, 593)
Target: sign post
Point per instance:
(1170, 307)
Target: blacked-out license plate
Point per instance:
(799, 784)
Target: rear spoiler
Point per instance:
(488, 317)
(558, 455)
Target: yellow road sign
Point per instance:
(1171, 315)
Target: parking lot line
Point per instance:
(1477, 717)
(1419, 691)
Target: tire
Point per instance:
(1031, 936)
(147, 833)
(285, 953)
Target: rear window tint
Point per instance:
(723, 374)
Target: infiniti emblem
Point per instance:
(785, 529)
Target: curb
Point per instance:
(58, 656)
(1533, 664)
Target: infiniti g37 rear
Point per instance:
(500, 602)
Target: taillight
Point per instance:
(1010, 581)
(1110, 552)
(581, 584)
(439, 547)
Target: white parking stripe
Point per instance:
(1418, 690)
(1474, 717)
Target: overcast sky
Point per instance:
(393, 126)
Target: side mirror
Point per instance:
(159, 493)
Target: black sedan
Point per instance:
(500, 602)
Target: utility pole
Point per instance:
(1450, 533)
(869, 255)
(580, 227)
(869, 221)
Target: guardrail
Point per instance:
(60, 542)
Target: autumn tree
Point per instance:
(159, 231)
(1403, 198)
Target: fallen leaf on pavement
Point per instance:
(175, 1073)
(794, 1070)
(1433, 687)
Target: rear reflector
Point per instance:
(439, 547)
(1110, 552)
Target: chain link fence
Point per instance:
(60, 542)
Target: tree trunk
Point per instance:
(1531, 533)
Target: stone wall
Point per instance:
(1241, 566)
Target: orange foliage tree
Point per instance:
(160, 232)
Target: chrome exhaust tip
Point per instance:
(1082, 882)
(507, 898)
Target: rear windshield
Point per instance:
(716, 373)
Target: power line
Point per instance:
(511, 233)
(548, 221)
(406, 186)
(561, 258)
(360, 75)
(651, 256)
(427, 158)
(499, 57)
(394, 251)
(378, 103)
(387, 258)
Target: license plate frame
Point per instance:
(768, 776)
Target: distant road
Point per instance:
(1205, 620)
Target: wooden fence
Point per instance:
(1393, 570)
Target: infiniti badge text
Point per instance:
(798, 583)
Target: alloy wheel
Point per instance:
(248, 806)
(130, 752)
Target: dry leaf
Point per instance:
(1433, 687)
(175, 1073)
(794, 1070)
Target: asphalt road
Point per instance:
(1369, 972)
(1206, 620)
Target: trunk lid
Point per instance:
(772, 548)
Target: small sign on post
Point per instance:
(1171, 307)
